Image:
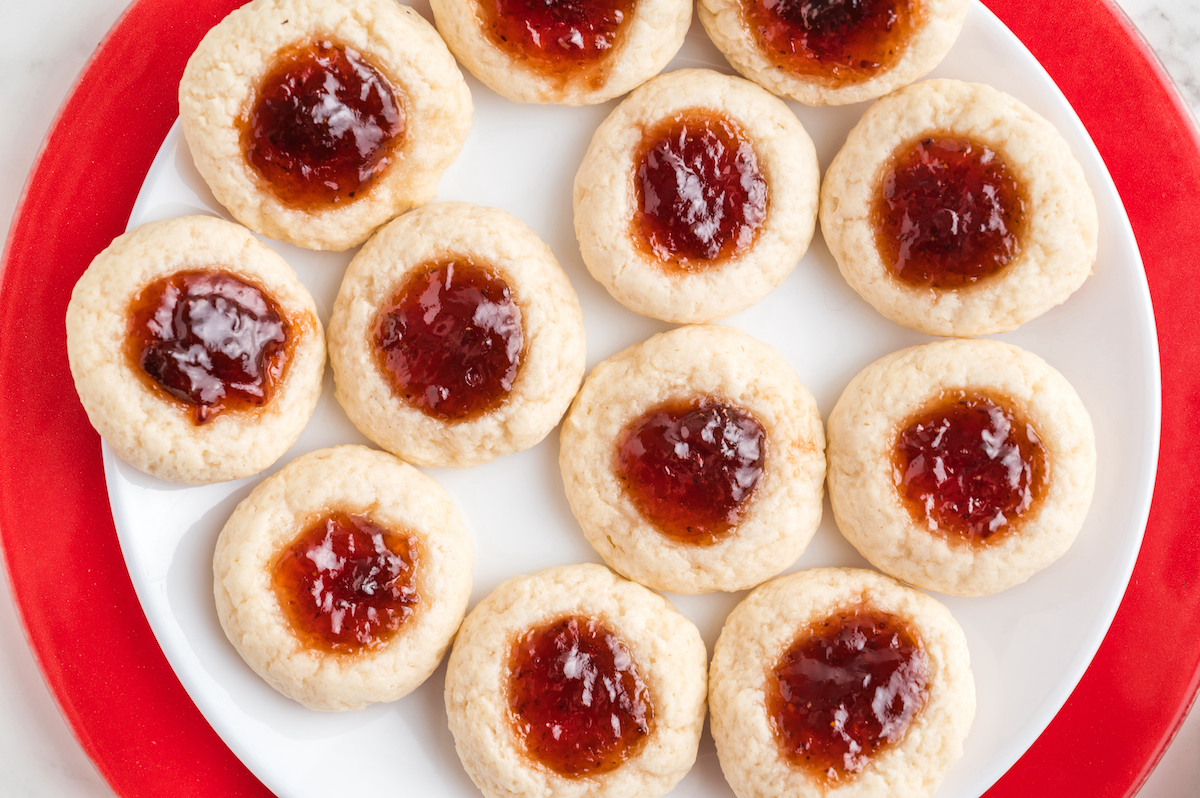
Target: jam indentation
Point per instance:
(576, 698)
(970, 465)
(700, 194)
(324, 125)
(949, 213)
(210, 340)
(841, 41)
(846, 688)
(346, 584)
(451, 341)
(691, 467)
(558, 36)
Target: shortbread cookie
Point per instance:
(840, 683)
(697, 196)
(316, 121)
(955, 210)
(575, 683)
(574, 52)
(342, 579)
(695, 461)
(196, 351)
(456, 337)
(833, 53)
(961, 466)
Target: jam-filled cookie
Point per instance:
(961, 466)
(575, 682)
(196, 351)
(829, 52)
(316, 121)
(839, 683)
(695, 461)
(955, 210)
(342, 579)
(456, 337)
(573, 52)
(697, 196)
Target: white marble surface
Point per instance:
(46, 46)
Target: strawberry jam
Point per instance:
(949, 213)
(557, 36)
(347, 585)
(847, 687)
(700, 194)
(970, 465)
(691, 467)
(451, 340)
(841, 41)
(210, 340)
(324, 125)
(576, 698)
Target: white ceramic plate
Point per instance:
(1029, 645)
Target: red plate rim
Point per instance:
(67, 574)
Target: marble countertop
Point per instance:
(47, 45)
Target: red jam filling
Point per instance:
(843, 41)
(210, 340)
(323, 127)
(700, 194)
(451, 340)
(691, 467)
(557, 36)
(845, 689)
(970, 465)
(949, 213)
(576, 698)
(347, 585)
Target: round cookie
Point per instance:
(540, 297)
(987, 552)
(750, 660)
(684, 264)
(386, 45)
(1054, 222)
(582, 53)
(720, 383)
(150, 428)
(396, 498)
(499, 737)
(906, 45)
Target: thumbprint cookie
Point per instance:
(456, 337)
(342, 578)
(695, 461)
(839, 683)
(955, 210)
(316, 121)
(961, 466)
(571, 52)
(833, 52)
(697, 197)
(196, 351)
(575, 682)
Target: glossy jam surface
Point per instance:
(324, 125)
(557, 36)
(347, 585)
(846, 688)
(691, 467)
(210, 340)
(949, 213)
(451, 340)
(970, 465)
(842, 41)
(576, 697)
(700, 194)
